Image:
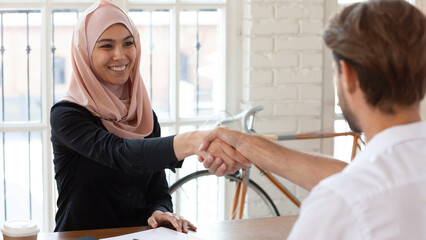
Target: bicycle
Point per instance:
(257, 196)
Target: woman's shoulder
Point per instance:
(65, 110)
(63, 105)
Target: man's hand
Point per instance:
(159, 218)
(222, 158)
(230, 137)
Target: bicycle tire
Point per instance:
(253, 186)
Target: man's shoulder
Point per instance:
(327, 214)
(377, 175)
(355, 183)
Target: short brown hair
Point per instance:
(384, 41)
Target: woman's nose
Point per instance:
(118, 53)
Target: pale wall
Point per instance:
(283, 71)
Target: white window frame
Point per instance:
(231, 64)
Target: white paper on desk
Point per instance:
(160, 233)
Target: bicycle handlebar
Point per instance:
(249, 115)
(245, 116)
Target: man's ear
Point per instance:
(349, 78)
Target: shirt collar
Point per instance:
(392, 136)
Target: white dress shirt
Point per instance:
(381, 194)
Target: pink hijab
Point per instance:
(124, 109)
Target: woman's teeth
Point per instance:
(118, 68)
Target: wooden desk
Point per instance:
(261, 228)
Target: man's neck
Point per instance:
(376, 121)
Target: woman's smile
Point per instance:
(118, 68)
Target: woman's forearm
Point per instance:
(186, 144)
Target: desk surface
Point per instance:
(261, 228)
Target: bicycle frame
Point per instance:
(247, 119)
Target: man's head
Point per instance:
(384, 42)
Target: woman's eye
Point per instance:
(130, 43)
(105, 46)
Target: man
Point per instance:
(379, 48)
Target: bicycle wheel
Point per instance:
(189, 191)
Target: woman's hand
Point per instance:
(221, 159)
(167, 219)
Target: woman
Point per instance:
(109, 161)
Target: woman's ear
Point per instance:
(349, 78)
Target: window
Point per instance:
(183, 57)
(21, 115)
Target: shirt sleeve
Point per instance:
(325, 215)
(77, 130)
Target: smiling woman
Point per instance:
(109, 159)
(113, 57)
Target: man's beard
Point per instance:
(351, 119)
(347, 113)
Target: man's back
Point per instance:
(381, 195)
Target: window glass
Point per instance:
(21, 176)
(200, 54)
(21, 75)
(154, 30)
(197, 202)
(63, 22)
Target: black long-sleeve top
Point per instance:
(103, 180)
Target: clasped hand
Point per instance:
(220, 157)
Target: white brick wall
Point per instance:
(283, 71)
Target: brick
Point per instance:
(309, 125)
(298, 75)
(272, 93)
(303, 145)
(256, 11)
(267, 108)
(260, 76)
(269, 27)
(309, 26)
(261, 44)
(315, 1)
(295, 109)
(290, 11)
(300, 10)
(311, 60)
(274, 60)
(275, 125)
(310, 91)
(315, 11)
(298, 43)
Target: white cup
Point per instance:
(20, 229)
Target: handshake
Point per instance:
(222, 151)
